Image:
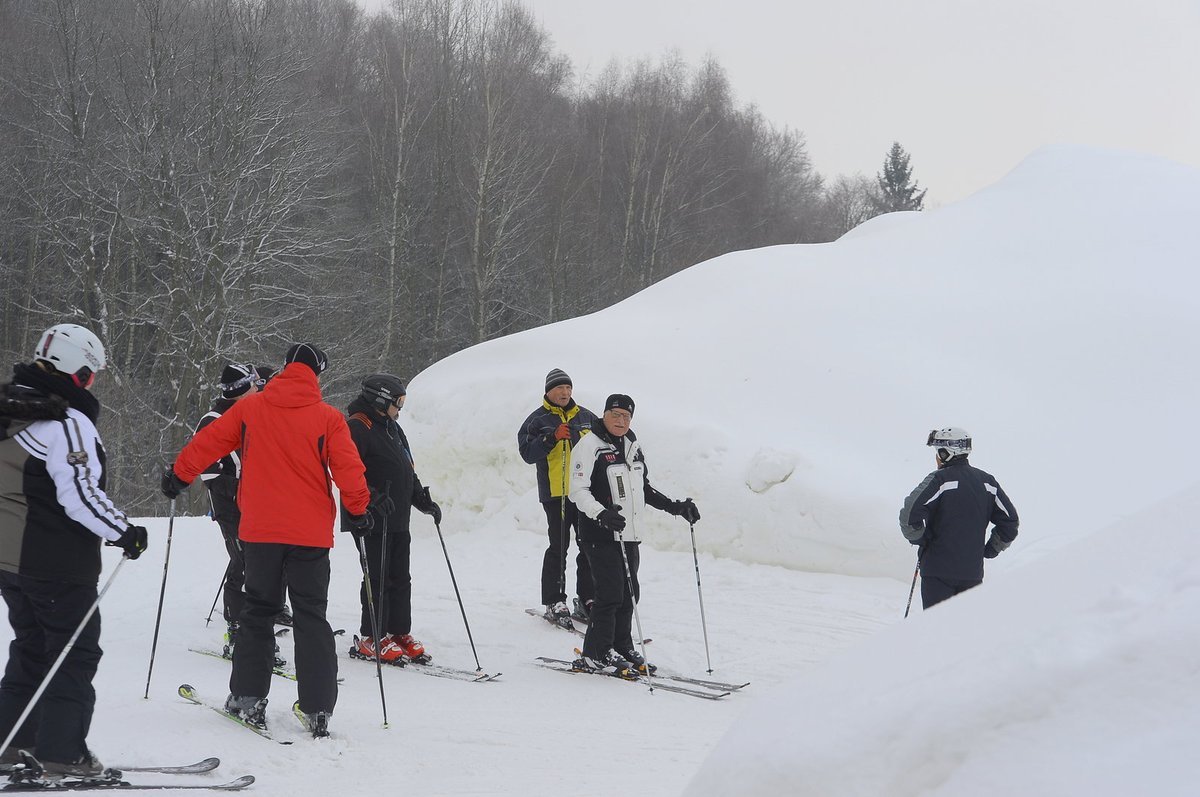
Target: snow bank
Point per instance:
(789, 389)
(1075, 675)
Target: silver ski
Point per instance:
(559, 665)
(207, 765)
(122, 785)
(436, 670)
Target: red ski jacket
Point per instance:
(291, 442)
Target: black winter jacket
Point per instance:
(948, 516)
(388, 459)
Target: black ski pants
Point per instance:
(391, 583)
(934, 590)
(222, 494)
(44, 615)
(554, 562)
(307, 578)
(612, 612)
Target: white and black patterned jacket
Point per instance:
(610, 472)
(53, 508)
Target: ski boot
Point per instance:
(639, 662)
(284, 618)
(409, 648)
(231, 633)
(559, 614)
(610, 663)
(581, 611)
(250, 710)
(389, 652)
(316, 723)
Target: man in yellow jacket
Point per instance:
(545, 440)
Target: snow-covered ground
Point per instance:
(789, 391)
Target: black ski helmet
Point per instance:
(382, 389)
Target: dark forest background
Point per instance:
(200, 181)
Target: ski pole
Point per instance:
(562, 522)
(636, 614)
(913, 588)
(162, 593)
(383, 565)
(220, 589)
(61, 657)
(700, 595)
(362, 556)
(457, 594)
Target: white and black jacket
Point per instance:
(53, 508)
(610, 472)
(948, 515)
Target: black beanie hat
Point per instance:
(308, 354)
(265, 372)
(236, 379)
(619, 401)
(555, 378)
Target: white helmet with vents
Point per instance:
(950, 442)
(73, 351)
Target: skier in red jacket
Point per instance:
(291, 442)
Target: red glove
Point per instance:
(563, 432)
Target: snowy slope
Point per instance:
(1076, 675)
(789, 391)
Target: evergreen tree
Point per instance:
(897, 189)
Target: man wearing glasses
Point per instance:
(610, 485)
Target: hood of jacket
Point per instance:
(295, 386)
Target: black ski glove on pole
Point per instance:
(381, 502)
(132, 541)
(611, 519)
(361, 525)
(687, 510)
(427, 505)
(172, 485)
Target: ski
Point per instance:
(706, 683)
(436, 670)
(200, 767)
(188, 692)
(30, 775)
(282, 672)
(207, 765)
(560, 665)
(105, 784)
(542, 615)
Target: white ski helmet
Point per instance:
(951, 442)
(73, 351)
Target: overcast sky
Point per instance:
(967, 87)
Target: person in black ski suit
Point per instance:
(395, 490)
(948, 514)
(54, 514)
(546, 439)
(610, 484)
(238, 381)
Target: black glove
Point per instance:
(172, 485)
(361, 525)
(687, 510)
(611, 519)
(427, 505)
(132, 540)
(989, 552)
(382, 503)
